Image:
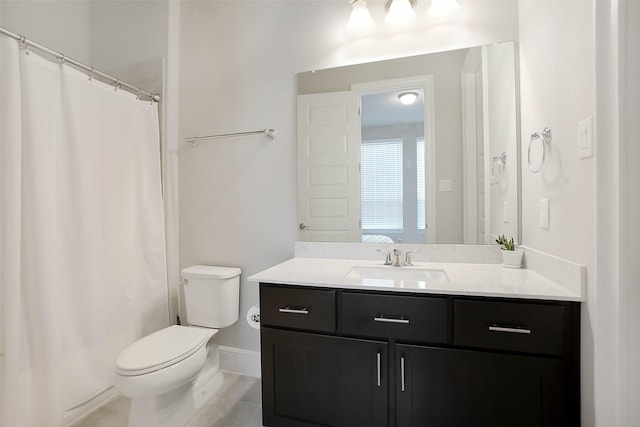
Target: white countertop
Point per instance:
(490, 280)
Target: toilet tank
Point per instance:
(211, 295)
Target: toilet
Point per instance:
(171, 373)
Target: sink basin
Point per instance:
(410, 274)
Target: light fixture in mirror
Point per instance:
(467, 116)
(360, 21)
(400, 13)
(408, 98)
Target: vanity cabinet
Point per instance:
(323, 380)
(336, 357)
(451, 387)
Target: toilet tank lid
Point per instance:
(210, 272)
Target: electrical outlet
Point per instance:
(505, 211)
(444, 185)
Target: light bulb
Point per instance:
(360, 21)
(400, 14)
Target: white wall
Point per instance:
(129, 40)
(631, 213)
(557, 90)
(59, 25)
(239, 62)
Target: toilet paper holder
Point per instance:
(253, 316)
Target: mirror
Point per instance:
(441, 170)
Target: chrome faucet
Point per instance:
(397, 256)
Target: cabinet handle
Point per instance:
(402, 373)
(511, 330)
(304, 310)
(390, 320)
(379, 373)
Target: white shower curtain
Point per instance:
(82, 253)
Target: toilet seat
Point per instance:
(160, 349)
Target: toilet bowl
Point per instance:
(162, 361)
(171, 373)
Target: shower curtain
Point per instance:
(82, 252)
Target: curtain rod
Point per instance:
(93, 72)
(195, 140)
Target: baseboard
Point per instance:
(78, 412)
(240, 361)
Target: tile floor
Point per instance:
(237, 404)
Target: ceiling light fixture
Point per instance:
(443, 8)
(408, 98)
(400, 13)
(360, 21)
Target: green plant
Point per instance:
(506, 244)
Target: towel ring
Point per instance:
(546, 139)
(499, 161)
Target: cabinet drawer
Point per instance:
(389, 316)
(298, 308)
(513, 326)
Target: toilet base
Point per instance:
(176, 407)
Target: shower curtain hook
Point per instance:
(92, 73)
(22, 44)
(63, 58)
(139, 93)
(117, 85)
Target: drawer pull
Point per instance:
(304, 310)
(391, 320)
(510, 330)
(379, 373)
(402, 373)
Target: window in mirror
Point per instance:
(381, 186)
(393, 166)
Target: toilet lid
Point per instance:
(161, 349)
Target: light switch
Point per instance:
(505, 211)
(444, 185)
(544, 213)
(585, 138)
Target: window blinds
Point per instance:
(381, 185)
(420, 166)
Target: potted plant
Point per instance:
(511, 257)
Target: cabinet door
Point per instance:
(446, 387)
(318, 380)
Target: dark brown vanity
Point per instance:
(348, 357)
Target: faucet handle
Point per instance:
(407, 257)
(387, 260)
